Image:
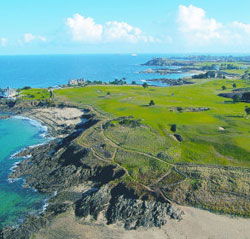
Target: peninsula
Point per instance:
(133, 156)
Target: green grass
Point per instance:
(142, 139)
(203, 142)
(238, 71)
(34, 94)
(142, 169)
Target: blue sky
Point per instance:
(124, 26)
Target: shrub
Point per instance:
(130, 122)
(162, 156)
(223, 87)
(145, 85)
(173, 127)
(151, 103)
(247, 110)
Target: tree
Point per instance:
(234, 85)
(145, 85)
(223, 87)
(247, 110)
(108, 93)
(133, 82)
(26, 88)
(173, 127)
(151, 103)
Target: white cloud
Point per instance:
(241, 26)
(199, 30)
(84, 29)
(122, 31)
(3, 41)
(28, 37)
(196, 26)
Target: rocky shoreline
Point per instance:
(81, 182)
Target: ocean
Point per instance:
(15, 200)
(52, 70)
(18, 133)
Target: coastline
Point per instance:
(45, 131)
(95, 178)
(59, 204)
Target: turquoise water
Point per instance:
(16, 201)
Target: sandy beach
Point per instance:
(56, 119)
(196, 224)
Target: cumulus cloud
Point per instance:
(194, 23)
(28, 37)
(122, 31)
(198, 28)
(3, 41)
(85, 29)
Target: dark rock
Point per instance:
(178, 137)
(121, 205)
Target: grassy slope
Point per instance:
(203, 142)
(34, 94)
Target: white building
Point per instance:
(7, 93)
(77, 82)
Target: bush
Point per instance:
(223, 87)
(162, 156)
(130, 122)
(119, 82)
(145, 85)
(151, 103)
(173, 127)
(247, 110)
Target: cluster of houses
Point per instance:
(7, 93)
(77, 82)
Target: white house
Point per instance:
(76, 82)
(7, 93)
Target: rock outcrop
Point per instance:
(121, 205)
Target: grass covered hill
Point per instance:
(185, 143)
(214, 129)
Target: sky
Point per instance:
(124, 26)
